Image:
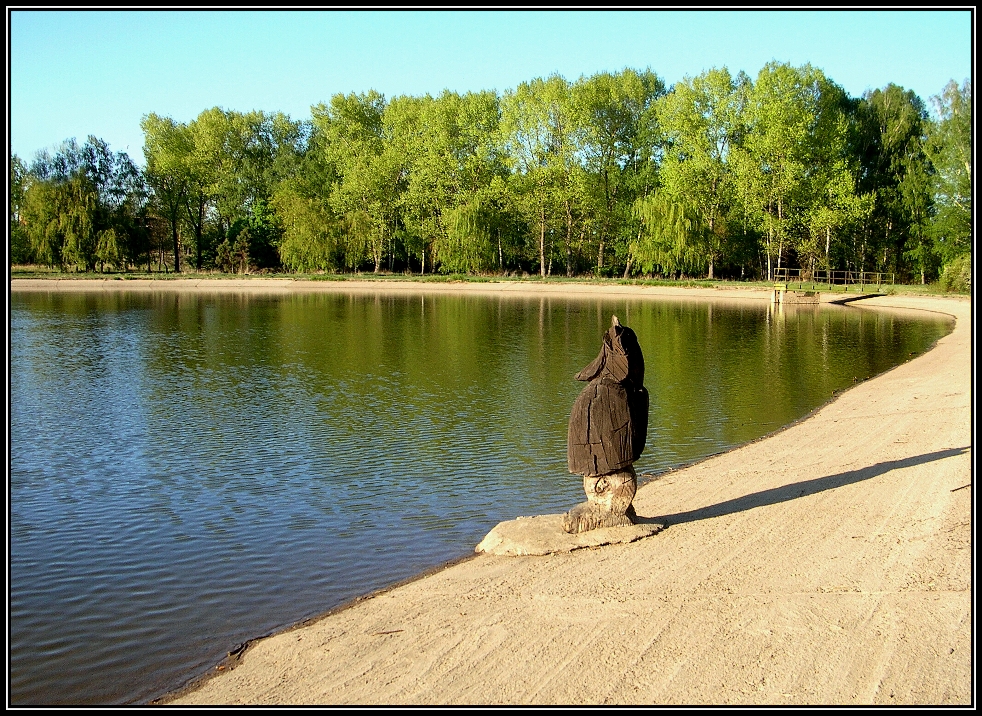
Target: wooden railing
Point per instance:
(815, 279)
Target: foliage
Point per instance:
(610, 174)
(67, 203)
(309, 239)
(957, 275)
(664, 244)
(949, 148)
(466, 248)
(700, 120)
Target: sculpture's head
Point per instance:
(620, 356)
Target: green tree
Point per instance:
(167, 147)
(310, 236)
(949, 148)
(19, 246)
(310, 228)
(420, 201)
(447, 159)
(40, 215)
(664, 242)
(467, 247)
(835, 210)
(368, 170)
(701, 122)
(539, 120)
(916, 189)
(77, 223)
(890, 127)
(794, 122)
(616, 123)
(216, 161)
(220, 170)
(109, 249)
(73, 196)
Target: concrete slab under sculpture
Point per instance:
(544, 534)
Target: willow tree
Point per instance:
(311, 231)
(467, 246)
(78, 224)
(666, 241)
(39, 213)
(17, 241)
(73, 195)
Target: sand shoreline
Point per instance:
(259, 285)
(516, 288)
(827, 563)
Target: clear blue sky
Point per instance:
(76, 73)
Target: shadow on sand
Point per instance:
(799, 489)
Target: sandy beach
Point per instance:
(257, 286)
(827, 564)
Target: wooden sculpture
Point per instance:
(608, 427)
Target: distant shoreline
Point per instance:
(259, 286)
(508, 287)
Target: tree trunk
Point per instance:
(542, 241)
(198, 226)
(770, 244)
(711, 248)
(569, 240)
(780, 236)
(176, 241)
(177, 254)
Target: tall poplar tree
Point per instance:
(166, 146)
(701, 120)
(617, 126)
(538, 124)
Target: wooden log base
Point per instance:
(608, 502)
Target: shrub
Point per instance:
(957, 275)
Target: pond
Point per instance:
(192, 470)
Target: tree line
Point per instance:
(610, 175)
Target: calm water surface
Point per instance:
(188, 472)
